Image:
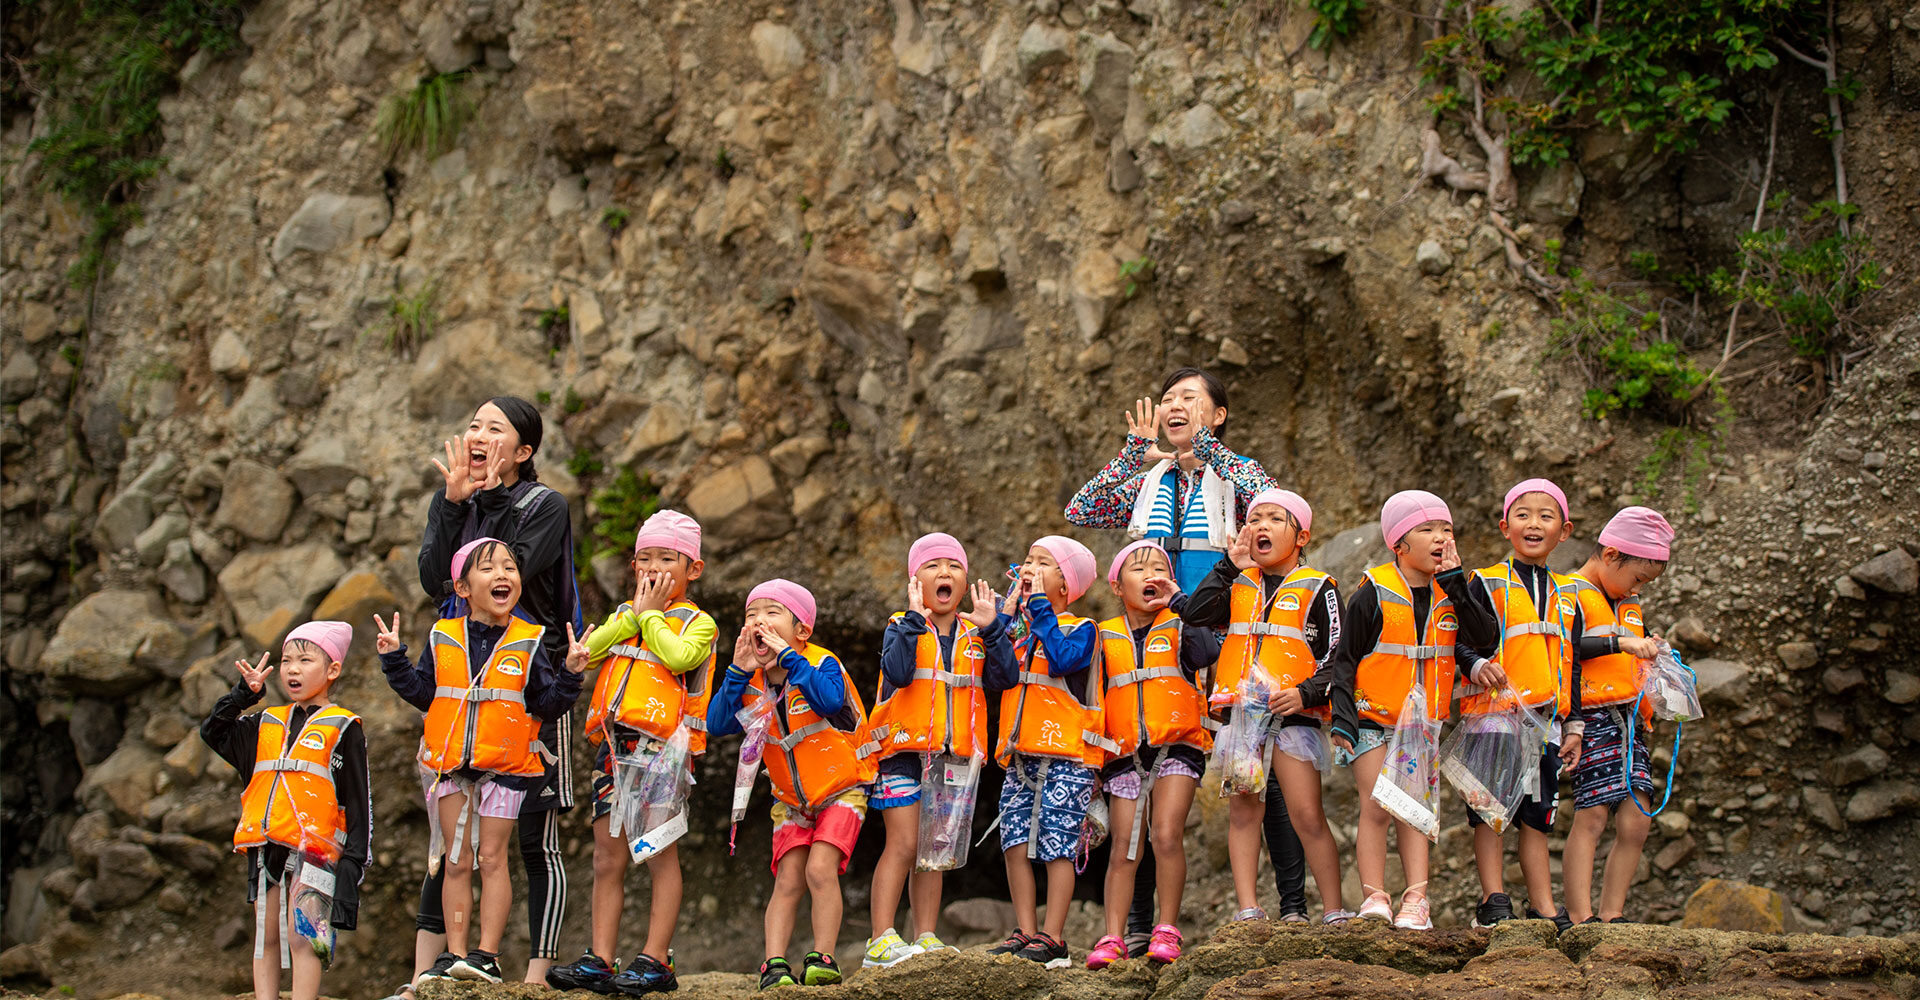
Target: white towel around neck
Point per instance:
(1216, 496)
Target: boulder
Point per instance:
(89, 835)
(794, 456)
(1106, 66)
(126, 873)
(272, 590)
(326, 222)
(1196, 128)
(469, 362)
(151, 545)
(1881, 800)
(1722, 682)
(1041, 46)
(254, 500)
(182, 574)
(1868, 761)
(122, 520)
(1797, 655)
(322, 466)
(739, 502)
(1901, 688)
(1893, 571)
(1348, 555)
(1095, 290)
(111, 644)
(778, 50)
(1554, 197)
(443, 43)
(124, 782)
(1726, 905)
(19, 376)
(355, 600)
(979, 915)
(94, 727)
(663, 426)
(1820, 805)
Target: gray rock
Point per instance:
(1868, 761)
(1235, 213)
(19, 376)
(1881, 800)
(794, 456)
(1199, 127)
(254, 501)
(740, 502)
(124, 782)
(778, 50)
(103, 431)
(610, 575)
(442, 42)
(127, 872)
(1123, 171)
(122, 520)
(1106, 67)
(182, 574)
(1901, 688)
(1554, 197)
(469, 362)
(1312, 109)
(1722, 682)
(110, 643)
(1348, 555)
(229, 355)
(1798, 655)
(94, 727)
(211, 550)
(89, 835)
(1041, 46)
(1840, 680)
(1849, 588)
(980, 915)
(1432, 259)
(1691, 634)
(326, 222)
(321, 467)
(151, 544)
(1893, 571)
(273, 590)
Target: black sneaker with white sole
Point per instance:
(1012, 945)
(1495, 908)
(1561, 922)
(1043, 948)
(438, 970)
(478, 966)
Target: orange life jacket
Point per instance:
(1385, 675)
(1149, 700)
(1272, 631)
(944, 710)
(290, 799)
(482, 722)
(809, 759)
(1040, 717)
(1536, 653)
(647, 697)
(1613, 679)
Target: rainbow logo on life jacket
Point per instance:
(511, 666)
(313, 741)
(973, 652)
(1159, 644)
(1631, 616)
(1447, 623)
(1566, 605)
(1288, 602)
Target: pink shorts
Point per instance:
(836, 824)
(495, 802)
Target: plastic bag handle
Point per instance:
(1673, 759)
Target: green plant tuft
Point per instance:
(425, 119)
(1811, 278)
(617, 510)
(583, 463)
(1135, 273)
(614, 218)
(543, 397)
(1334, 19)
(572, 403)
(1617, 340)
(412, 318)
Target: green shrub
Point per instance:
(1334, 19)
(425, 119)
(1135, 272)
(412, 317)
(572, 403)
(1617, 341)
(583, 463)
(101, 101)
(1811, 278)
(617, 510)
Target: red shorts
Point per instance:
(836, 824)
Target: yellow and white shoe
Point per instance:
(931, 942)
(887, 950)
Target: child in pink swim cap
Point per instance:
(1632, 552)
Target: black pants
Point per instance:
(1283, 850)
(546, 885)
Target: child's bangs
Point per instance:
(304, 646)
(486, 554)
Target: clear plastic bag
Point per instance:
(1494, 759)
(754, 720)
(1409, 783)
(1240, 748)
(312, 887)
(949, 787)
(650, 796)
(1670, 687)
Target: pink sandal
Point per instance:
(1165, 946)
(1107, 951)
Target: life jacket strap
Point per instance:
(1043, 679)
(696, 723)
(1552, 629)
(1413, 652)
(794, 739)
(1266, 628)
(1144, 674)
(1610, 630)
(635, 653)
(946, 677)
(300, 766)
(508, 695)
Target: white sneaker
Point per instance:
(887, 950)
(1379, 906)
(931, 942)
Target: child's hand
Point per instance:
(773, 641)
(1240, 549)
(650, 592)
(577, 649)
(388, 638)
(1487, 674)
(1342, 742)
(1644, 648)
(255, 674)
(985, 605)
(1570, 750)
(1286, 701)
(1449, 557)
(1163, 591)
(460, 484)
(916, 597)
(744, 655)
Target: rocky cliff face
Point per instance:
(834, 274)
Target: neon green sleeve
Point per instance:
(621, 626)
(682, 652)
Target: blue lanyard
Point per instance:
(1633, 719)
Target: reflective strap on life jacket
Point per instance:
(1413, 652)
(1143, 674)
(1553, 629)
(1045, 680)
(1619, 630)
(1266, 628)
(636, 653)
(695, 723)
(946, 677)
(482, 694)
(793, 739)
(1100, 740)
(302, 766)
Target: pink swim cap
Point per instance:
(1535, 486)
(460, 557)
(672, 530)
(1639, 531)
(938, 545)
(1288, 501)
(789, 595)
(334, 637)
(1409, 509)
(1075, 560)
(1120, 558)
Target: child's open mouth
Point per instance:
(1150, 592)
(1263, 544)
(293, 686)
(501, 592)
(943, 592)
(1532, 539)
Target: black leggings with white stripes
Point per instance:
(546, 885)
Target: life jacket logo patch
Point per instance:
(973, 652)
(1159, 644)
(1287, 602)
(1630, 617)
(511, 666)
(1447, 623)
(313, 741)
(1566, 606)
